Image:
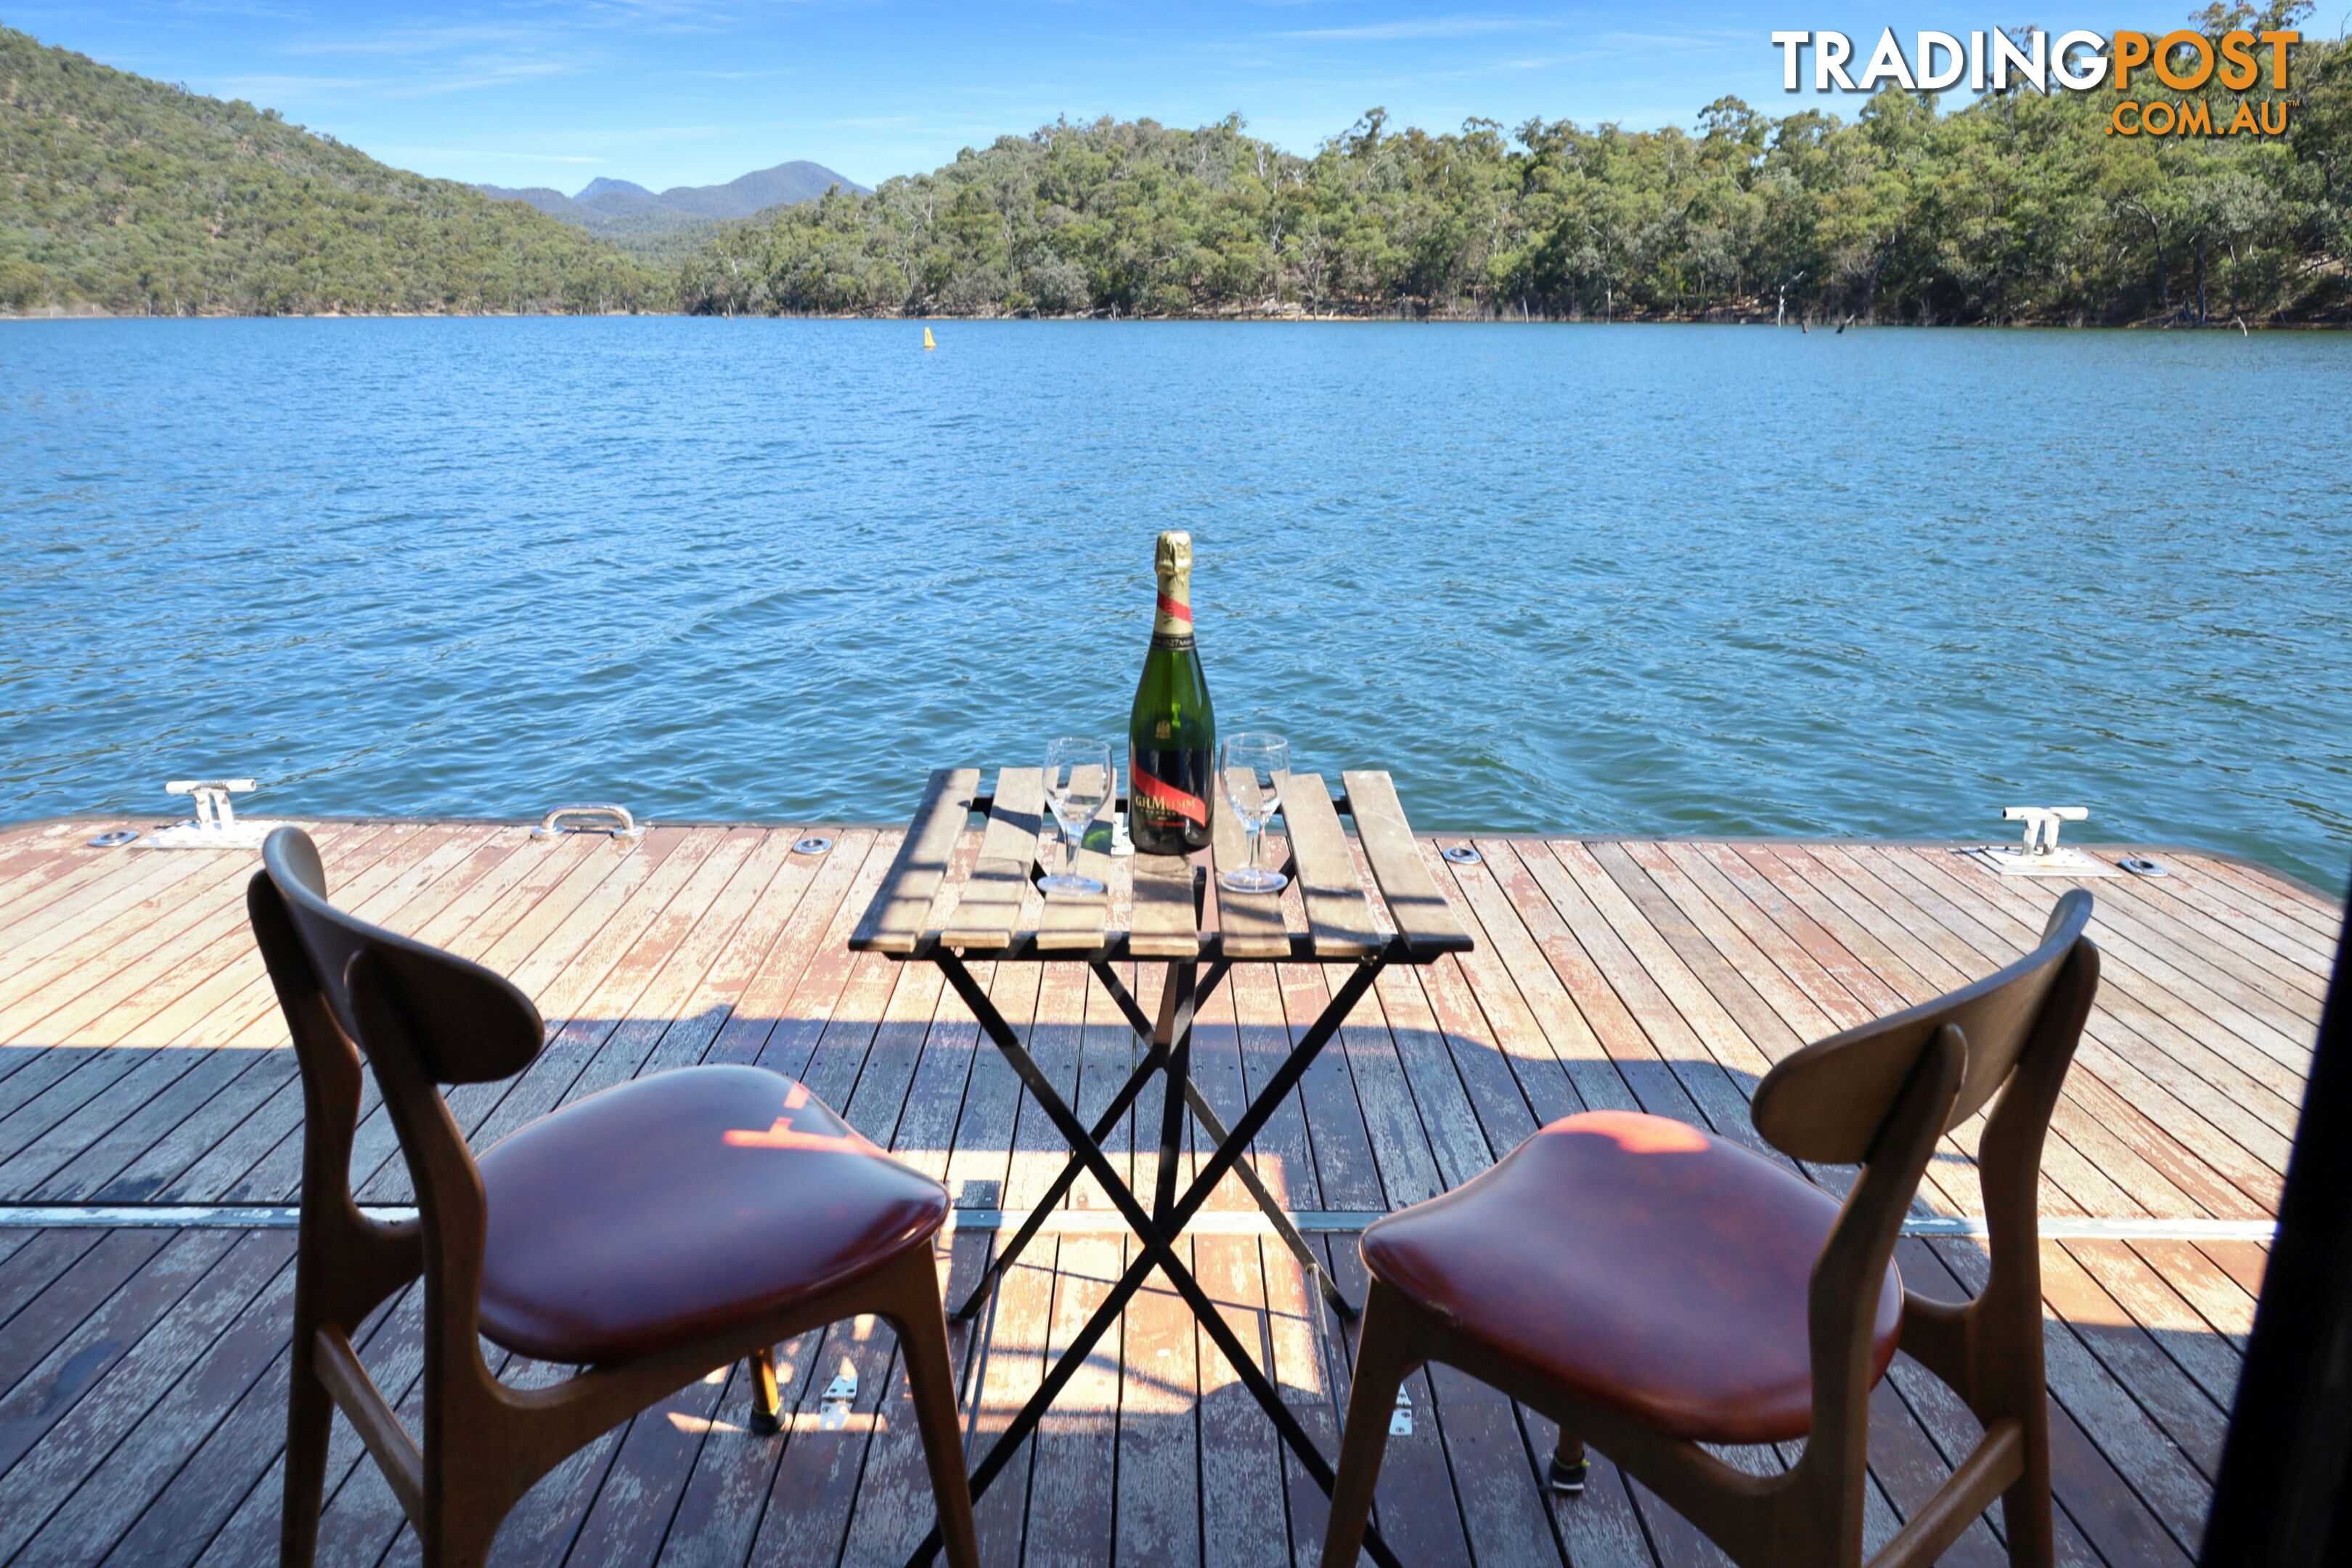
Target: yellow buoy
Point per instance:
(930, 342)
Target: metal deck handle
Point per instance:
(566, 819)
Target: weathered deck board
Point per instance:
(141, 1370)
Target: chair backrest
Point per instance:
(465, 1024)
(1829, 1102)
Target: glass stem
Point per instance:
(1256, 832)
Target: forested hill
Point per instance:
(2018, 207)
(131, 195)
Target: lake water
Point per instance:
(1647, 579)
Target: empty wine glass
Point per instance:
(1254, 768)
(1079, 783)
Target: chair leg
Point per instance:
(460, 1542)
(1380, 1368)
(2025, 1509)
(1569, 1468)
(923, 1326)
(310, 1413)
(767, 1403)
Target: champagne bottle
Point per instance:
(1171, 734)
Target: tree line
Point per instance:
(2017, 206)
(140, 197)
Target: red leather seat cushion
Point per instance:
(1644, 1265)
(685, 1204)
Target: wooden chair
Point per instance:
(1653, 1288)
(646, 1234)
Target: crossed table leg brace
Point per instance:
(1159, 1227)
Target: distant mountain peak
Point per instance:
(624, 210)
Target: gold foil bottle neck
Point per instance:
(1173, 563)
(1174, 558)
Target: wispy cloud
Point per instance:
(1423, 28)
(492, 155)
(410, 41)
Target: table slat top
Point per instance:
(1171, 905)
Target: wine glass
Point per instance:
(1254, 768)
(1079, 782)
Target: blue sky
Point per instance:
(667, 92)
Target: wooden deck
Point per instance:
(142, 1365)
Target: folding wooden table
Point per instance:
(1179, 916)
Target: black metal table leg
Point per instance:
(1215, 1129)
(1159, 1229)
(1153, 1060)
(1275, 1212)
(1011, 1251)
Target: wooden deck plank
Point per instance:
(604, 952)
(893, 924)
(1159, 1491)
(2182, 1151)
(109, 1083)
(2220, 1279)
(2256, 889)
(2268, 1061)
(723, 1497)
(61, 1281)
(1463, 1142)
(1520, 989)
(681, 1482)
(980, 1157)
(1243, 1517)
(1611, 1060)
(113, 897)
(1700, 1044)
(144, 1090)
(510, 934)
(261, 1161)
(98, 1387)
(2159, 1474)
(793, 1033)
(29, 1260)
(2252, 1079)
(237, 1477)
(2128, 1048)
(132, 1161)
(1346, 1171)
(1309, 1372)
(1402, 1148)
(1663, 974)
(1414, 1505)
(805, 938)
(893, 1507)
(1072, 1497)
(162, 1494)
(2298, 962)
(688, 994)
(2100, 1172)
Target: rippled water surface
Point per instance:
(1655, 579)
